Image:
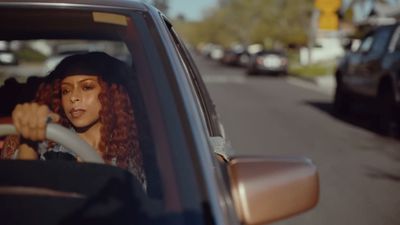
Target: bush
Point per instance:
(312, 70)
(30, 55)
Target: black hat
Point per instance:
(110, 69)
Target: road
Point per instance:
(359, 170)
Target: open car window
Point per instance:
(32, 43)
(30, 61)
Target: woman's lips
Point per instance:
(76, 113)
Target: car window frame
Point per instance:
(380, 36)
(394, 45)
(202, 96)
(368, 37)
(151, 80)
(215, 167)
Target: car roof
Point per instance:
(133, 4)
(36, 27)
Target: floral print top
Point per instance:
(47, 151)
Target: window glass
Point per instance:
(20, 59)
(381, 40)
(30, 48)
(366, 44)
(397, 40)
(202, 96)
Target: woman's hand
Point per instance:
(30, 120)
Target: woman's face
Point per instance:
(80, 99)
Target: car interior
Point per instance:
(64, 192)
(61, 188)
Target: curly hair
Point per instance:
(119, 136)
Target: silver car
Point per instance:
(191, 176)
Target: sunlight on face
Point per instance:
(80, 99)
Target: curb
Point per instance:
(308, 79)
(323, 83)
(328, 79)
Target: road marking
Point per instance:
(327, 90)
(223, 79)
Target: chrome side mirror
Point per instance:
(267, 189)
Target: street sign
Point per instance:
(328, 21)
(327, 5)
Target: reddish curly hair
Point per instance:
(119, 136)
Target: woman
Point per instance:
(85, 92)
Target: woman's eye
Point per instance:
(88, 87)
(64, 91)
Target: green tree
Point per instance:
(254, 21)
(162, 5)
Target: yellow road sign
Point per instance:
(327, 5)
(328, 21)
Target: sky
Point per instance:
(191, 9)
(194, 9)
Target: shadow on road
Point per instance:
(361, 118)
(382, 175)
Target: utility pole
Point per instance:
(312, 33)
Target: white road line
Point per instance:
(223, 79)
(325, 89)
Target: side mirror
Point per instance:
(267, 189)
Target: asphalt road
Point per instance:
(359, 170)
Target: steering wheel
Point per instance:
(64, 137)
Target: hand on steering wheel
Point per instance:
(30, 120)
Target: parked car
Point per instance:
(369, 75)
(268, 62)
(8, 58)
(235, 56)
(190, 177)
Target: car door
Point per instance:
(372, 63)
(353, 78)
(209, 114)
(390, 62)
(215, 131)
(369, 67)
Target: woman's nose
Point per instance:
(74, 97)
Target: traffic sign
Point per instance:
(328, 21)
(327, 5)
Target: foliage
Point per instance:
(162, 5)
(312, 70)
(27, 54)
(268, 22)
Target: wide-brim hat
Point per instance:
(110, 69)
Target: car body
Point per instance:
(8, 58)
(236, 55)
(190, 177)
(268, 62)
(369, 75)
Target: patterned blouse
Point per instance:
(48, 152)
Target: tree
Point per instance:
(255, 21)
(162, 5)
(181, 17)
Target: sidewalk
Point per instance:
(324, 84)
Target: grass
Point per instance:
(312, 70)
(30, 55)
